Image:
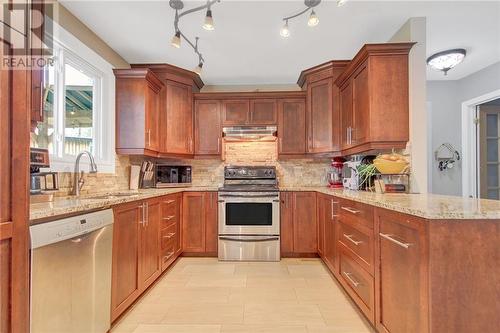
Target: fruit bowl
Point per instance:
(390, 165)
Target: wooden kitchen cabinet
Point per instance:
(374, 99)
(263, 112)
(235, 112)
(298, 224)
(207, 127)
(136, 252)
(178, 126)
(137, 112)
(327, 212)
(323, 109)
(170, 229)
(291, 127)
(402, 273)
(199, 224)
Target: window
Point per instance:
(73, 112)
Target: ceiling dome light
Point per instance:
(285, 32)
(446, 60)
(313, 19)
(176, 40)
(198, 69)
(340, 3)
(209, 21)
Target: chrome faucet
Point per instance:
(78, 178)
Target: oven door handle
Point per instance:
(249, 239)
(248, 196)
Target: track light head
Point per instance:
(176, 40)
(198, 69)
(313, 19)
(209, 21)
(340, 3)
(285, 32)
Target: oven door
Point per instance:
(249, 213)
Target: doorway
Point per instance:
(488, 159)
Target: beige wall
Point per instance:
(414, 30)
(77, 28)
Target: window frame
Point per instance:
(104, 157)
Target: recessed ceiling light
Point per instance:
(446, 60)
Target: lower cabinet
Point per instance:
(170, 229)
(138, 249)
(299, 234)
(199, 223)
(402, 274)
(327, 213)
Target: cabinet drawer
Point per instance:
(168, 235)
(356, 212)
(360, 242)
(167, 255)
(169, 219)
(357, 282)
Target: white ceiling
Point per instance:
(246, 48)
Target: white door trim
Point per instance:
(469, 143)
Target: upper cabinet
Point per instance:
(137, 111)
(291, 127)
(207, 127)
(374, 99)
(323, 109)
(154, 110)
(241, 112)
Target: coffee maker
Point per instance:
(41, 183)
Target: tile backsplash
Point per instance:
(209, 172)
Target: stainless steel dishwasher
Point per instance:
(71, 274)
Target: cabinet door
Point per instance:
(211, 227)
(361, 107)
(235, 112)
(152, 132)
(179, 124)
(305, 238)
(126, 239)
(321, 216)
(292, 126)
(263, 112)
(286, 223)
(150, 245)
(332, 207)
(193, 222)
(401, 273)
(207, 129)
(319, 117)
(346, 115)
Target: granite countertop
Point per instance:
(71, 205)
(429, 206)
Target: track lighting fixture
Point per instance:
(285, 32)
(176, 40)
(313, 19)
(208, 24)
(209, 21)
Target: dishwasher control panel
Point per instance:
(62, 229)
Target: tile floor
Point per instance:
(203, 295)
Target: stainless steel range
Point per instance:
(249, 214)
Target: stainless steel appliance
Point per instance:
(172, 175)
(249, 214)
(71, 274)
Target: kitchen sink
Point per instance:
(111, 196)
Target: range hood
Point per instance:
(249, 133)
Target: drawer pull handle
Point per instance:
(169, 201)
(394, 240)
(168, 218)
(170, 254)
(354, 282)
(350, 210)
(169, 235)
(352, 240)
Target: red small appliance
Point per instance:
(334, 175)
